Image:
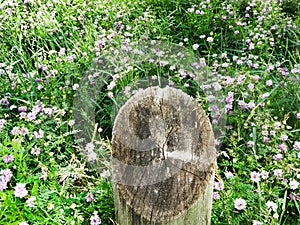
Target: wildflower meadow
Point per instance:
(248, 50)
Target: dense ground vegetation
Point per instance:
(251, 48)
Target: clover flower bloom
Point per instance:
(255, 176)
(89, 197)
(95, 219)
(294, 184)
(20, 190)
(240, 204)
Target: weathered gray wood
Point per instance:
(163, 160)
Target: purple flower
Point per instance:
(219, 185)
(266, 140)
(264, 174)
(216, 195)
(251, 105)
(23, 131)
(23, 115)
(226, 64)
(243, 104)
(3, 185)
(31, 116)
(48, 111)
(196, 65)
(278, 156)
(283, 147)
(172, 67)
(250, 144)
(8, 158)
(195, 46)
(269, 83)
(39, 134)
(89, 197)
(284, 137)
(182, 72)
(95, 219)
(2, 123)
(6, 175)
(294, 196)
(163, 63)
(251, 46)
(15, 130)
(250, 86)
(277, 125)
(284, 71)
(71, 57)
(296, 145)
(255, 176)
(20, 190)
(239, 62)
(229, 99)
(270, 67)
(229, 175)
(110, 94)
(22, 109)
(240, 204)
(4, 101)
(278, 172)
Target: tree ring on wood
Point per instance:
(163, 152)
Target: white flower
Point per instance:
(210, 39)
(20, 190)
(23, 223)
(228, 175)
(50, 206)
(71, 123)
(95, 219)
(255, 222)
(296, 145)
(271, 204)
(278, 172)
(195, 46)
(92, 156)
(31, 201)
(294, 184)
(264, 174)
(255, 176)
(219, 185)
(89, 147)
(73, 206)
(277, 125)
(240, 204)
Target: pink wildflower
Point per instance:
(255, 176)
(20, 190)
(240, 204)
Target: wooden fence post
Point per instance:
(163, 160)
